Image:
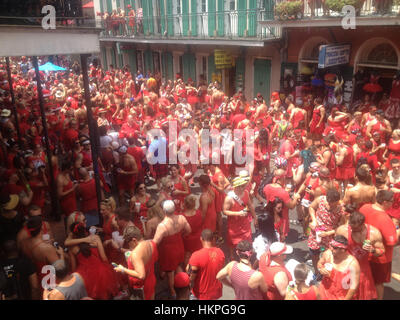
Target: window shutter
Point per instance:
(185, 17)
(211, 18)
(242, 19)
(221, 18)
(194, 18)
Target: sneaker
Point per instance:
(122, 295)
(309, 263)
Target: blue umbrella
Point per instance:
(51, 67)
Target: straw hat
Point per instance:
(12, 202)
(5, 113)
(239, 181)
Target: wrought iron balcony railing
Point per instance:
(331, 9)
(238, 24)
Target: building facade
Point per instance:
(184, 36)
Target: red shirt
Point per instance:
(209, 262)
(382, 221)
(88, 194)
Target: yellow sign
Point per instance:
(222, 59)
(216, 77)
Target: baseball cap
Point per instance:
(279, 248)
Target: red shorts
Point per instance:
(381, 272)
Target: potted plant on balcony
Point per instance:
(337, 5)
(289, 10)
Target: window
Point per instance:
(232, 5)
(383, 53)
(139, 61)
(179, 7)
(156, 62)
(203, 5)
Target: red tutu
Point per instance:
(372, 87)
(100, 279)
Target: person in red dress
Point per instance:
(138, 205)
(91, 263)
(345, 168)
(363, 240)
(341, 272)
(207, 203)
(192, 241)
(301, 291)
(375, 215)
(239, 210)
(66, 189)
(168, 237)
(317, 125)
(393, 149)
(203, 267)
(140, 260)
(127, 173)
(181, 188)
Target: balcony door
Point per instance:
(178, 21)
(202, 22)
(232, 17)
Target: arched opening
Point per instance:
(378, 57)
(308, 55)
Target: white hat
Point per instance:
(114, 145)
(279, 248)
(5, 113)
(168, 206)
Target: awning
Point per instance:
(89, 5)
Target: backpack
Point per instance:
(266, 180)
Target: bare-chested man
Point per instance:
(325, 183)
(363, 192)
(126, 173)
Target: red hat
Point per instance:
(181, 280)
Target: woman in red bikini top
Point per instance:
(181, 188)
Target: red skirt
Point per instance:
(345, 173)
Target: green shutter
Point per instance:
(242, 19)
(150, 16)
(194, 18)
(240, 73)
(189, 66)
(185, 17)
(109, 6)
(170, 18)
(145, 20)
(168, 66)
(148, 61)
(104, 52)
(262, 75)
(221, 18)
(120, 60)
(211, 18)
(252, 18)
(101, 6)
(132, 62)
(162, 15)
(113, 58)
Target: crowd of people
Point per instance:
(339, 171)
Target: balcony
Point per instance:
(199, 28)
(367, 14)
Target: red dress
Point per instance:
(192, 242)
(149, 282)
(142, 213)
(366, 289)
(99, 277)
(171, 252)
(336, 286)
(394, 152)
(394, 211)
(315, 119)
(297, 117)
(68, 202)
(210, 220)
(239, 228)
(220, 196)
(179, 200)
(346, 170)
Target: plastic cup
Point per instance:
(328, 266)
(137, 206)
(317, 236)
(46, 237)
(92, 230)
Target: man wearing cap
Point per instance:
(340, 270)
(238, 208)
(203, 268)
(277, 190)
(140, 260)
(272, 266)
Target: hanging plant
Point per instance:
(337, 5)
(289, 10)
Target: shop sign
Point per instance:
(222, 59)
(333, 55)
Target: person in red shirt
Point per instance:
(204, 265)
(236, 119)
(87, 192)
(375, 215)
(70, 135)
(137, 152)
